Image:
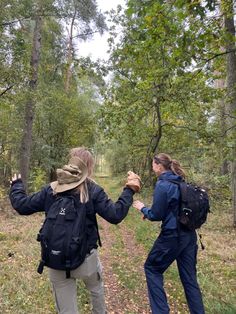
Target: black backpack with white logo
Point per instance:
(63, 236)
(194, 205)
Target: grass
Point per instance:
(122, 265)
(216, 264)
(23, 291)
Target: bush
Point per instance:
(37, 179)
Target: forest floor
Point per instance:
(123, 253)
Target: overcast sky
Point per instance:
(97, 47)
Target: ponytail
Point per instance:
(177, 169)
(169, 164)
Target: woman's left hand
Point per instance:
(15, 177)
(138, 205)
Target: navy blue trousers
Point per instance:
(168, 247)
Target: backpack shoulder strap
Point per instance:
(99, 238)
(183, 188)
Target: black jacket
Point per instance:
(99, 203)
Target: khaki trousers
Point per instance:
(65, 291)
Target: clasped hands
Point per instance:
(134, 183)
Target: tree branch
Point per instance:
(219, 54)
(6, 90)
(227, 130)
(30, 17)
(85, 34)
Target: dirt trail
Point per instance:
(114, 301)
(135, 251)
(119, 299)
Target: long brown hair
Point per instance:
(169, 164)
(85, 155)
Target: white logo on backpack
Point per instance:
(55, 252)
(62, 211)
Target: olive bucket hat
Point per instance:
(70, 176)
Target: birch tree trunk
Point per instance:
(26, 143)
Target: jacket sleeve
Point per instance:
(113, 212)
(159, 207)
(24, 204)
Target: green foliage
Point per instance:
(87, 16)
(37, 179)
(163, 96)
(61, 120)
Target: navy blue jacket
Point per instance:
(165, 201)
(99, 203)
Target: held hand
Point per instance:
(15, 177)
(138, 205)
(133, 181)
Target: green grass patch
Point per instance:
(125, 266)
(216, 265)
(144, 230)
(22, 289)
(3, 236)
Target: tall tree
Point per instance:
(159, 83)
(81, 15)
(83, 20)
(228, 9)
(45, 119)
(26, 144)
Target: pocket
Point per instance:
(159, 256)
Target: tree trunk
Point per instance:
(26, 143)
(70, 55)
(224, 169)
(231, 91)
(154, 142)
(52, 174)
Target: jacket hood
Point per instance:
(169, 175)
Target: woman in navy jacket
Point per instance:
(75, 178)
(172, 243)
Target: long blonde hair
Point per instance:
(85, 155)
(169, 164)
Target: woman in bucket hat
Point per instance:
(75, 178)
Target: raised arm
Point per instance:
(24, 204)
(113, 212)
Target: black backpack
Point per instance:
(63, 236)
(194, 205)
